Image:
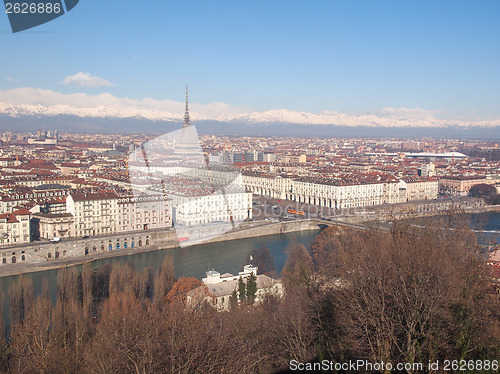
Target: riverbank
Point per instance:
(23, 268)
(416, 210)
(167, 239)
(247, 230)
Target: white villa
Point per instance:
(221, 286)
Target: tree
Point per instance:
(486, 191)
(180, 289)
(164, 280)
(482, 190)
(292, 327)
(233, 300)
(264, 260)
(123, 278)
(21, 299)
(125, 340)
(100, 287)
(145, 286)
(324, 243)
(73, 317)
(241, 289)
(298, 267)
(4, 354)
(251, 288)
(33, 344)
(413, 294)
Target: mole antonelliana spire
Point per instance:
(186, 138)
(187, 119)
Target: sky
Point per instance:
(351, 57)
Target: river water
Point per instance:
(225, 257)
(192, 261)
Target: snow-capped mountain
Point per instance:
(96, 112)
(123, 109)
(386, 118)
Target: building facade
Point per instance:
(418, 189)
(143, 212)
(94, 213)
(461, 185)
(15, 227)
(49, 225)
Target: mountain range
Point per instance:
(280, 122)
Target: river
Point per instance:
(224, 257)
(192, 261)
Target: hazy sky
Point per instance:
(314, 56)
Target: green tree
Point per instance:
(251, 288)
(241, 289)
(233, 300)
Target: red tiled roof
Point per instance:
(11, 218)
(21, 212)
(71, 165)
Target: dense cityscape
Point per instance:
(73, 198)
(250, 187)
(55, 181)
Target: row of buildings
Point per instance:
(89, 185)
(235, 157)
(92, 213)
(86, 214)
(343, 191)
(178, 201)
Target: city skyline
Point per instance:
(343, 155)
(381, 64)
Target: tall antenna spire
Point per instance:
(187, 119)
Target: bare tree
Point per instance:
(125, 339)
(32, 341)
(412, 295)
(164, 281)
(145, 284)
(21, 299)
(123, 278)
(263, 259)
(298, 268)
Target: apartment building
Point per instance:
(143, 212)
(15, 227)
(50, 225)
(461, 185)
(11, 201)
(197, 207)
(342, 191)
(94, 213)
(413, 188)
